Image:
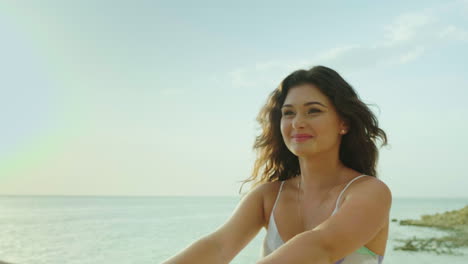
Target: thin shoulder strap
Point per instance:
(344, 189)
(277, 197)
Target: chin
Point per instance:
(303, 153)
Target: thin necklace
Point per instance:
(299, 202)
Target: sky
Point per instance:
(150, 98)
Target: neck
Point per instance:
(320, 174)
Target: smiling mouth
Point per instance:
(300, 139)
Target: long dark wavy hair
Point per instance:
(275, 162)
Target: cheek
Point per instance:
(282, 127)
(285, 128)
(322, 124)
(321, 128)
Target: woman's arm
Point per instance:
(229, 239)
(304, 248)
(206, 250)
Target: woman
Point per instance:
(315, 187)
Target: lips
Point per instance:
(302, 136)
(301, 139)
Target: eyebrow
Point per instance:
(306, 104)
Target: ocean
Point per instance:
(80, 229)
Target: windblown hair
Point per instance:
(275, 162)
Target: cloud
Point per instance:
(454, 33)
(260, 74)
(411, 55)
(407, 27)
(405, 39)
(335, 53)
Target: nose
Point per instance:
(298, 122)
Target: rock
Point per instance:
(455, 222)
(447, 220)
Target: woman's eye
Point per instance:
(310, 111)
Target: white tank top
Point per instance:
(273, 240)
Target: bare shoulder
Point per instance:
(271, 188)
(370, 183)
(265, 189)
(269, 191)
(244, 223)
(370, 187)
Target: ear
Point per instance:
(344, 125)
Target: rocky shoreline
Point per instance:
(454, 222)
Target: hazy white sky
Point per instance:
(154, 98)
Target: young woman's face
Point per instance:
(306, 110)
